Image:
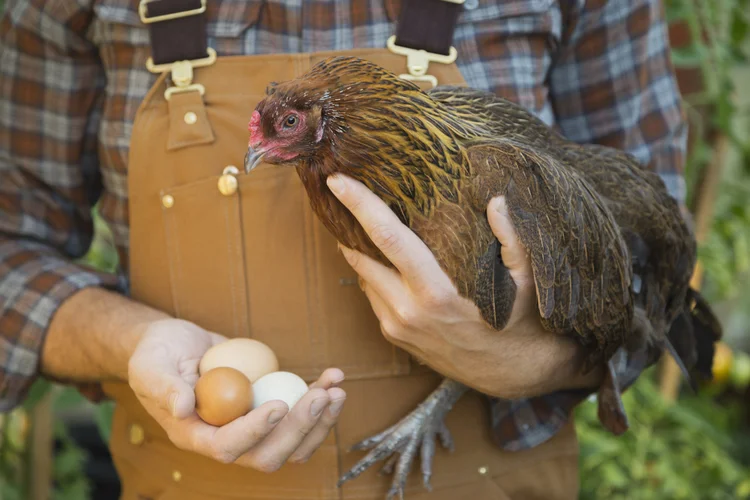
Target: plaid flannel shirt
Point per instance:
(72, 74)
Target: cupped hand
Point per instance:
(163, 372)
(421, 311)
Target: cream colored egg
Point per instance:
(284, 386)
(249, 356)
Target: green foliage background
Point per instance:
(691, 450)
(696, 449)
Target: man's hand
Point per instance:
(163, 371)
(420, 310)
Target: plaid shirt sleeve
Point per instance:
(50, 96)
(612, 83)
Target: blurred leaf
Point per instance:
(38, 389)
(613, 474)
(74, 490)
(69, 477)
(66, 398)
(17, 426)
(671, 451)
(739, 25)
(743, 489)
(69, 462)
(103, 417)
(689, 56)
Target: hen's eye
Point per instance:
(290, 121)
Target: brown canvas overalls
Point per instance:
(243, 255)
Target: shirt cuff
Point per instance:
(526, 423)
(34, 282)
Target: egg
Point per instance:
(222, 395)
(249, 356)
(284, 386)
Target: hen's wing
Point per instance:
(580, 262)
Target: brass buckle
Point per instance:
(143, 13)
(417, 61)
(182, 73)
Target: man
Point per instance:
(72, 77)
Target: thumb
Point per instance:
(514, 254)
(177, 396)
(157, 379)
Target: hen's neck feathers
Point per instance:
(395, 139)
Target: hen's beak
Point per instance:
(253, 158)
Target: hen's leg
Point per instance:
(415, 432)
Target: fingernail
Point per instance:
(173, 403)
(335, 184)
(336, 406)
(318, 406)
(497, 205)
(275, 416)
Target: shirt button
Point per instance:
(471, 4)
(176, 476)
(136, 434)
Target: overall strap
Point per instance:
(428, 25)
(424, 34)
(179, 43)
(177, 29)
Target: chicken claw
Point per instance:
(417, 431)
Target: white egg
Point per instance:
(284, 386)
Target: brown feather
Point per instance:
(590, 217)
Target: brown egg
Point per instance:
(222, 395)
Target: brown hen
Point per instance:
(610, 253)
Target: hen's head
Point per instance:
(284, 126)
(299, 117)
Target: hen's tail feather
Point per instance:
(678, 359)
(691, 339)
(707, 331)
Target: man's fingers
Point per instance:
(321, 430)
(329, 378)
(278, 446)
(229, 442)
(513, 252)
(379, 305)
(385, 281)
(397, 242)
(217, 338)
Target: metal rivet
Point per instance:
(136, 434)
(228, 182)
(483, 471)
(228, 185)
(190, 118)
(167, 200)
(176, 476)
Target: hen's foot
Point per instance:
(417, 431)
